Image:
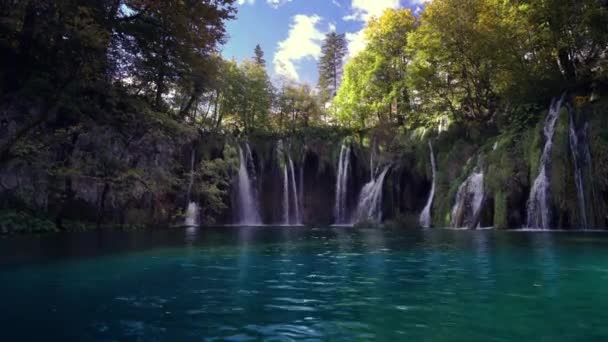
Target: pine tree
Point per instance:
(259, 56)
(330, 65)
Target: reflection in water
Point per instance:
(296, 283)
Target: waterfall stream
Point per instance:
(581, 159)
(248, 210)
(469, 200)
(539, 207)
(341, 209)
(370, 199)
(193, 209)
(286, 210)
(425, 216)
(192, 215)
(292, 191)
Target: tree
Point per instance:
(162, 42)
(259, 56)
(374, 90)
(464, 55)
(297, 107)
(333, 51)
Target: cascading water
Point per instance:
(192, 215)
(248, 212)
(425, 216)
(581, 157)
(539, 209)
(291, 195)
(286, 211)
(192, 210)
(370, 199)
(294, 188)
(340, 209)
(191, 182)
(301, 190)
(469, 200)
(372, 159)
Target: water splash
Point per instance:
(340, 209)
(248, 213)
(469, 200)
(370, 199)
(425, 216)
(539, 209)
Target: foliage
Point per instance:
(18, 222)
(333, 51)
(373, 91)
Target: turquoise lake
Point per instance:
(283, 284)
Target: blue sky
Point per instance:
(291, 31)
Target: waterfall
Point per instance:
(340, 209)
(581, 158)
(247, 195)
(539, 210)
(191, 182)
(372, 159)
(301, 190)
(425, 216)
(292, 211)
(192, 215)
(370, 199)
(193, 209)
(294, 188)
(469, 200)
(286, 210)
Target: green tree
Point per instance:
(259, 56)
(330, 65)
(374, 90)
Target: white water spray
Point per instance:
(539, 208)
(425, 216)
(469, 200)
(286, 211)
(294, 191)
(192, 215)
(370, 199)
(581, 157)
(248, 213)
(340, 209)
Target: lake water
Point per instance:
(282, 284)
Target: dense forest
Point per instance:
(119, 113)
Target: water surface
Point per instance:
(282, 284)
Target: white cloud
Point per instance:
(277, 3)
(303, 41)
(271, 3)
(364, 10)
(356, 42)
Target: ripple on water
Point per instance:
(291, 307)
(297, 301)
(294, 331)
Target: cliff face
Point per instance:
(90, 175)
(81, 174)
